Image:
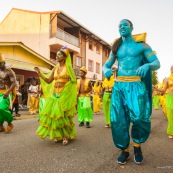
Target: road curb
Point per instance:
(25, 117)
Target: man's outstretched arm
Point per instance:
(107, 66)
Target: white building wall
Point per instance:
(96, 58)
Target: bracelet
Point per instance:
(39, 74)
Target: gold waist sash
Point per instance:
(96, 93)
(128, 79)
(59, 90)
(108, 90)
(2, 91)
(84, 95)
(63, 80)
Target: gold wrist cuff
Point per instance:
(136, 145)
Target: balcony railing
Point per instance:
(53, 61)
(67, 37)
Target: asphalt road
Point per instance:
(93, 151)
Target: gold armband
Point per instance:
(109, 59)
(40, 75)
(153, 52)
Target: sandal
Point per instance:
(170, 137)
(65, 141)
(2, 129)
(9, 128)
(17, 115)
(55, 140)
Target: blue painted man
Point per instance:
(131, 95)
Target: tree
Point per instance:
(154, 78)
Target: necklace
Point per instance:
(60, 68)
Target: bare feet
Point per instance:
(107, 126)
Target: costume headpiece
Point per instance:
(64, 49)
(83, 69)
(137, 38)
(2, 57)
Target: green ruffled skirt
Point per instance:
(54, 122)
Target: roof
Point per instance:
(25, 65)
(28, 49)
(68, 21)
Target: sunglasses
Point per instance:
(59, 54)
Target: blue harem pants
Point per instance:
(130, 103)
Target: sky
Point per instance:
(103, 16)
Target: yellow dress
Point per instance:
(96, 98)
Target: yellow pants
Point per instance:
(96, 103)
(33, 104)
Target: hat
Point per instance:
(64, 49)
(83, 69)
(2, 57)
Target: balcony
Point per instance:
(53, 61)
(67, 37)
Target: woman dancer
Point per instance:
(56, 117)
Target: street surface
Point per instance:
(93, 151)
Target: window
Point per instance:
(97, 67)
(90, 65)
(97, 48)
(105, 53)
(90, 45)
(78, 61)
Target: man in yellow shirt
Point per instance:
(84, 104)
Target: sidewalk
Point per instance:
(24, 114)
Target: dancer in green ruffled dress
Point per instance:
(56, 116)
